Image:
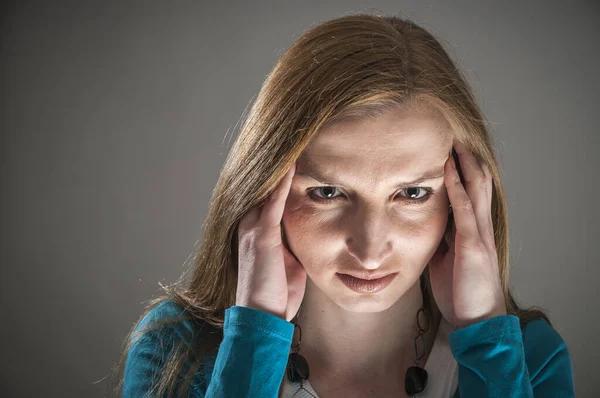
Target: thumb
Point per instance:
(296, 283)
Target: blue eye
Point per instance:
(412, 194)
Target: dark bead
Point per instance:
(416, 380)
(297, 368)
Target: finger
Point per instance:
(478, 184)
(452, 239)
(464, 217)
(272, 211)
(249, 219)
(487, 229)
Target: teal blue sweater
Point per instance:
(496, 358)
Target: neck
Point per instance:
(337, 342)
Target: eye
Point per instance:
(328, 193)
(412, 195)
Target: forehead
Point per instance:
(397, 135)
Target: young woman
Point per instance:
(356, 243)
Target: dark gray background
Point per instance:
(116, 118)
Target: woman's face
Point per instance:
(350, 211)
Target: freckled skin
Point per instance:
(372, 226)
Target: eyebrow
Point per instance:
(326, 180)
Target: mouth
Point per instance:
(361, 285)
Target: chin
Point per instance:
(354, 302)
(367, 299)
(363, 304)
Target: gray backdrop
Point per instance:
(116, 118)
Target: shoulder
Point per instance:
(539, 333)
(542, 344)
(548, 360)
(165, 310)
(164, 335)
(167, 319)
(170, 321)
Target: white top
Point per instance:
(441, 367)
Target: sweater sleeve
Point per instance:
(251, 339)
(497, 359)
(253, 355)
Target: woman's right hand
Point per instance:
(270, 278)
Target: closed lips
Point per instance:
(369, 278)
(366, 285)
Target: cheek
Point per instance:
(310, 237)
(420, 240)
(423, 229)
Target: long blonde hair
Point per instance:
(354, 66)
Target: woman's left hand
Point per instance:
(465, 277)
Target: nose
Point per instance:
(369, 239)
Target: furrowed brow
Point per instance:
(323, 179)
